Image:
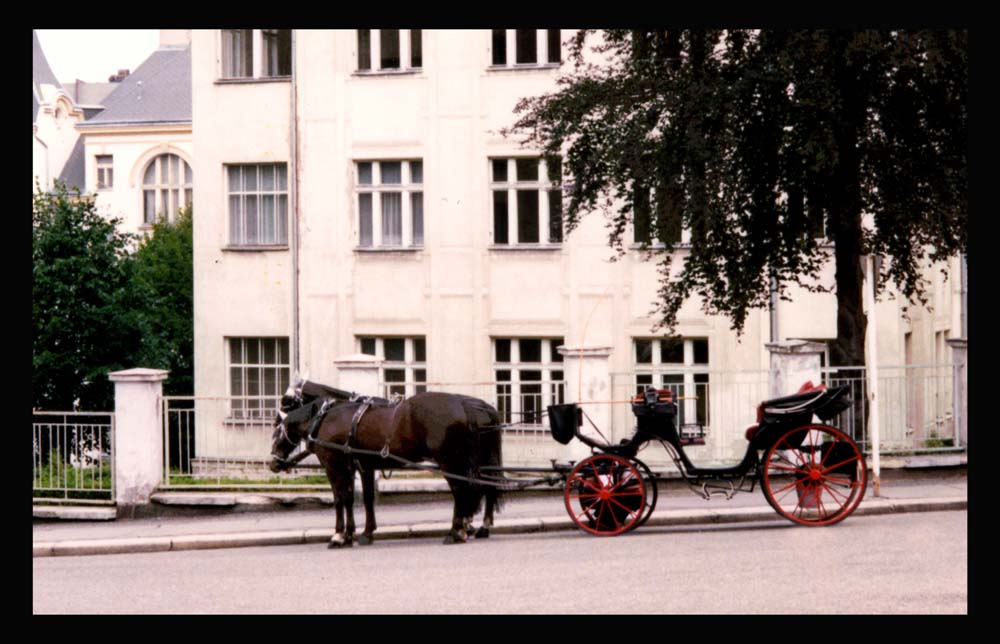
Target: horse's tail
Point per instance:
(489, 453)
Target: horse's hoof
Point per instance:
(483, 533)
(339, 543)
(455, 538)
(365, 540)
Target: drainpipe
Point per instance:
(774, 308)
(293, 160)
(965, 296)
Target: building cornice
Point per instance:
(135, 128)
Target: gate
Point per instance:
(73, 457)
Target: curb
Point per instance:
(422, 530)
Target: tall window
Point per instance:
(529, 377)
(678, 364)
(256, 53)
(258, 204)
(166, 188)
(527, 201)
(390, 203)
(405, 363)
(389, 49)
(259, 371)
(105, 172)
(645, 232)
(525, 47)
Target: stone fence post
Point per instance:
(960, 388)
(138, 439)
(793, 363)
(358, 373)
(587, 371)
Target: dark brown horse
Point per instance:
(459, 433)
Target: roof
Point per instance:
(84, 93)
(40, 70)
(74, 172)
(158, 91)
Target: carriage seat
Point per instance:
(795, 403)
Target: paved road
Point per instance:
(901, 563)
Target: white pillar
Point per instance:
(138, 440)
(959, 389)
(793, 363)
(359, 373)
(587, 372)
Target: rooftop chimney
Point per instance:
(119, 77)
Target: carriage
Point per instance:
(811, 474)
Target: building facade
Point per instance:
(355, 195)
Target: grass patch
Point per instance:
(61, 480)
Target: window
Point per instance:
(529, 377)
(259, 371)
(390, 203)
(256, 53)
(678, 364)
(644, 224)
(389, 50)
(527, 201)
(166, 188)
(525, 47)
(105, 172)
(404, 369)
(258, 204)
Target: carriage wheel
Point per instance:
(814, 475)
(605, 495)
(651, 492)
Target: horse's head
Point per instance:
(287, 434)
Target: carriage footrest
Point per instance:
(692, 434)
(692, 440)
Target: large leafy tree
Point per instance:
(754, 140)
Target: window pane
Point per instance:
(395, 349)
(175, 170)
(365, 173)
(416, 172)
(672, 351)
(419, 350)
(235, 220)
(281, 173)
(165, 168)
(531, 351)
(500, 170)
(417, 212)
(252, 351)
(527, 169)
(187, 174)
(554, 46)
(269, 348)
(527, 216)
(395, 375)
(149, 178)
(282, 220)
(644, 351)
(392, 172)
(250, 178)
(554, 354)
(283, 355)
(555, 216)
(499, 46)
(502, 350)
(268, 225)
(250, 214)
(364, 49)
(527, 45)
(500, 217)
(416, 49)
(390, 48)
(267, 177)
(237, 53)
(365, 222)
(277, 52)
(235, 178)
(700, 351)
(368, 346)
(392, 218)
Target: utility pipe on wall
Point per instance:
(293, 162)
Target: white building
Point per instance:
(357, 197)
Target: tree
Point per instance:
(164, 273)
(86, 322)
(753, 141)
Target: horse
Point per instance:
(459, 433)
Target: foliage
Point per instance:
(752, 140)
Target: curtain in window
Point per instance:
(237, 53)
(392, 219)
(417, 212)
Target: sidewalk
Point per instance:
(420, 510)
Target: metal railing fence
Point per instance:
(73, 457)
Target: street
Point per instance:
(887, 564)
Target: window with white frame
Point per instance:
(644, 226)
(526, 47)
(259, 373)
(527, 201)
(529, 377)
(389, 196)
(257, 204)
(105, 172)
(166, 188)
(404, 366)
(389, 50)
(256, 53)
(678, 364)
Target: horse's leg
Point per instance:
(491, 499)
(458, 532)
(368, 492)
(343, 497)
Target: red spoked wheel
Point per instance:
(605, 495)
(814, 475)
